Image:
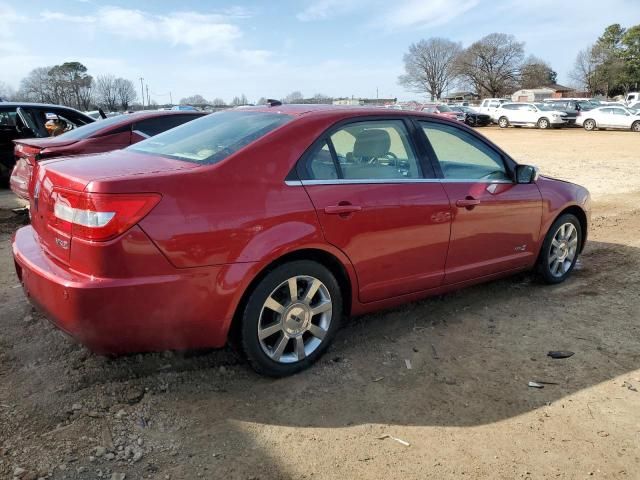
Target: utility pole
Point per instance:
(142, 90)
(170, 99)
(148, 98)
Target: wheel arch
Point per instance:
(325, 258)
(581, 215)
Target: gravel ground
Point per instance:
(463, 410)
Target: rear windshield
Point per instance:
(89, 129)
(212, 138)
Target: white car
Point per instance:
(610, 117)
(530, 114)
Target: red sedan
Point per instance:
(270, 225)
(98, 137)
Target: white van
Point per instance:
(490, 105)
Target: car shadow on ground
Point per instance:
(471, 353)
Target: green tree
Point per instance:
(631, 56)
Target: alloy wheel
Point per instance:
(589, 125)
(295, 319)
(563, 249)
(635, 127)
(543, 123)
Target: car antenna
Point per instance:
(273, 103)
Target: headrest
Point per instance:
(372, 143)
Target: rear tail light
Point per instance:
(27, 151)
(98, 216)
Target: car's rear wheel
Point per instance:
(290, 318)
(543, 123)
(503, 122)
(560, 249)
(636, 126)
(589, 125)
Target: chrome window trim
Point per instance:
(142, 134)
(299, 183)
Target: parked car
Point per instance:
(632, 97)
(610, 117)
(570, 105)
(103, 136)
(26, 120)
(441, 109)
(530, 114)
(473, 118)
(490, 105)
(269, 225)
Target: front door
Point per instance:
(375, 205)
(496, 222)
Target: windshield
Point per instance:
(444, 108)
(89, 129)
(212, 138)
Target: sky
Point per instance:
(269, 49)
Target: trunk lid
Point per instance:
(76, 174)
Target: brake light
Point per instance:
(27, 151)
(98, 216)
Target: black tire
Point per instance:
(544, 123)
(543, 266)
(503, 122)
(635, 126)
(251, 346)
(589, 125)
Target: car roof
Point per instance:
(312, 110)
(39, 105)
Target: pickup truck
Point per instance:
(490, 105)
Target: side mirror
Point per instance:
(526, 174)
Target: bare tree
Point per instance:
(585, 69)
(218, 102)
(6, 92)
(106, 92)
(125, 93)
(194, 100)
(492, 64)
(241, 100)
(36, 87)
(294, 97)
(535, 73)
(430, 66)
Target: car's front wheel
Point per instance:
(560, 249)
(503, 122)
(636, 126)
(290, 318)
(543, 123)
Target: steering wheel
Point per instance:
(392, 157)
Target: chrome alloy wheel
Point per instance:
(294, 319)
(563, 249)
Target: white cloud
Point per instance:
(424, 13)
(63, 17)
(324, 9)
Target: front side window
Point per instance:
(462, 156)
(214, 137)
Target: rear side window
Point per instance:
(153, 126)
(214, 137)
(8, 118)
(369, 150)
(462, 156)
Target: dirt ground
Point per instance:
(464, 409)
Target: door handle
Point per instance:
(469, 202)
(342, 209)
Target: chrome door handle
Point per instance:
(468, 203)
(342, 209)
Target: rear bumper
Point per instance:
(124, 315)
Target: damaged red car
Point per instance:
(268, 226)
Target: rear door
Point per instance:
(620, 118)
(380, 206)
(495, 221)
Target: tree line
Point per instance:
(69, 84)
(493, 66)
(496, 65)
(610, 66)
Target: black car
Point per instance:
(473, 118)
(570, 107)
(29, 120)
